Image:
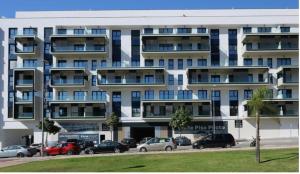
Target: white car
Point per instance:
(15, 151)
(157, 144)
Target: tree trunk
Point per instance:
(257, 139)
(46, 143)
(111, 133)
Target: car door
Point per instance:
(102, 147)
(12, 151)
(208, 141)
(155, 144)
(4, 152)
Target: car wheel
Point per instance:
(117, 150)
(228, 145)
(143, 149)
(201, 147)
(169, 148)
(90, 152)
(70, 152)
(20, 155)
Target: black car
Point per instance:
(215, 140)
(106, 147)
(130, 142)
(182, 141)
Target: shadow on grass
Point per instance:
(291, 155)
(134, 167)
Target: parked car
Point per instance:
(107, 146)
(130, 142)
(36, 148)
(215, 140)
(69, 148)
(182, 141)
(16, 151)
(156, 144)
(200, 134)
(144, 140)
(81, 143)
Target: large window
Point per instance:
(170, 79)
(98, 31)
(135, 48)
(184, 30)
(94, 64)
(166, 94)
(99, 95)
(215, 78)
(165, 30)
(202, 94)
(233, 102)
(116, 47)
(136, 103)
(170, 64)
(180, 63)
(201, 30)
(161, 62)
(189, 62)
(180, 79)
(148, 30)
(12, 32)
(283, 61)
(285, 29)
(248, 94)
(81, 63)
(202, 62)
(216, 102)
(79, 95)
(185, 94)
(247, 29)
(284, 93)
(149, 95)
(94, 80)
(215, 47)
(29, 31)
(247, 62)
(264, 29)
(78, 31)
(232, 40)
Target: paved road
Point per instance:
(244, 145)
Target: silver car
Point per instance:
(15, 151)
(156, 144)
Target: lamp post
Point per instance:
(44, 103)
(213, 109)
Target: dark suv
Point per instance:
(130, 142)
(215, 140)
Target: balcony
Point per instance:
(24, 111)
(228, 76)
(131, 76)
(287, 76)
(173, 44)
(24, 78)
(68, 77)
(26, 44)
(165, 108)
(255, 36)
(77, 99)
(78, 44)
(80, 111)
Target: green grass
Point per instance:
(281, 160)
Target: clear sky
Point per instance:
(9, 7)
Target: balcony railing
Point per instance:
(155, 48)
(24, 82)
(158, 81)
(24, 99)
(272, 47)
(76, 98)
(60, 82)
(98, 48)
(227, 82)
(24, 115)
(78, 115)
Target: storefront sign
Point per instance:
(205, 127)
(85, 137)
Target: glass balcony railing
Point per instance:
(98, 48)
(263, 47)
(78, 115)
(24, 82)
(67, 82)
(25, 99)
(27, 49)
(24, 115)
(157, 81)
(79, 98)
(194, 81)
(156, 48)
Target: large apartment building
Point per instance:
(77, 67)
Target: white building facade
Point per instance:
(77, 67)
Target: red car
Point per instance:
(61, 149)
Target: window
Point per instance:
(248, 62)
(149, 95)
(11, 49)
(247, 29)
(202, 94)
(98, 31)
(136, 103)
(61, 63)
(148, 30)
(166, 30)
(161, 62)
(79, 95)
(250, 78)
(189, 62)
(238, 123)
(180, 63)
(79, 47)
(61, 31)
(103, 63)
(283, 61)
(202, 62)
(215, 78)
(285, 29)
(232, 41)
(62, 95)
(260, 62)
(99, 95)
(260, 78)
(284, 93)
(201, 30)
(264, 29)
(233, 102)
(94, 64)
(47, 47)
(149, 79)
(29, 31)
(116, 48)
(78, 31)
(185, 94)
(180, 79)
(94, 80)
(149, 62)
(216, 102)
(248, 94)
(166, 94)
(171, 64)
(29, 63)
(269, 62)
(170, 79)
(81, 63)
(184, 30)
(215, 47)
(135, 47)
(12, 32)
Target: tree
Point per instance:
(112, 121)
(181, 119)
(49, 127)
(256, 106)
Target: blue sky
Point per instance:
(8, 7)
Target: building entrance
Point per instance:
(138, 133)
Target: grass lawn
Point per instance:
(282, 160)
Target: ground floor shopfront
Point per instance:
(98, 131)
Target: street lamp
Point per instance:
(44, 102)
(213, 109)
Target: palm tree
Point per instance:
(112, 121)
(49, 128)
(256, 106)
